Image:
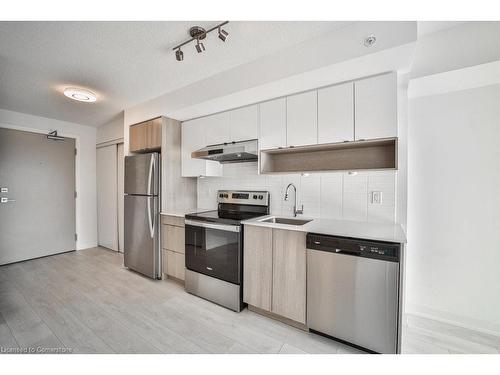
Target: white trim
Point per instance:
(116, 141)
(455, 80)
(459, 321)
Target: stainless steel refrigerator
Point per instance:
(142, 251)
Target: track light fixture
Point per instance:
(179, 55)
(223, 34)
(198, 33)
(200, 47)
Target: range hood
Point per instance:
(234, 152)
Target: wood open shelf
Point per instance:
(348, 156)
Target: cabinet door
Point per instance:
(192, 139)
(244, 123)
(302, 119)
(376, 107)
(173, 238)
(289, 274)
(170, 263)
(336, 113)
(154, 134)
(216, 128)
(180, 266)
(257, 267)
(273, 124)
(137, 138)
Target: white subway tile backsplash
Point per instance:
(326, 195)
(331, 196)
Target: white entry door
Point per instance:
(107, 193)
(37, 196)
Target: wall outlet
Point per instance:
(376, 197)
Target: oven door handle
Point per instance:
(224, 227)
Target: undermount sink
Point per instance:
(285, 220)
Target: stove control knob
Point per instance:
(226, 196)
(261, 197)
(254, 197)
(221, 195)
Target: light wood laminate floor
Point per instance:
(88, 302)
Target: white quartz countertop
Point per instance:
(344, 228)
(183, 211)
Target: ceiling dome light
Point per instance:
(80, 95)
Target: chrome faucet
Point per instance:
(295, 210)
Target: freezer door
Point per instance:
(142, 245)
(142, 174)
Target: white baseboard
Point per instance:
(87, 245)
(453, 319)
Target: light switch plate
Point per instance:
(4, 189)
(376, 197)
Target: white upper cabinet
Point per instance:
(376, 107)
(336, 113)
(302, 119)
(244, 123)
(273, 124)
(192, 139)
(217, 128)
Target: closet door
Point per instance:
(120, 185)
(107, 191)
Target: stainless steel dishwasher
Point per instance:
(353, 291)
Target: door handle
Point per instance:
(150, 219)
(150, 175)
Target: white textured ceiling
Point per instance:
(123, 62)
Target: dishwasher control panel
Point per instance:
(356, 247)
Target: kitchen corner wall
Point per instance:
(326, 195)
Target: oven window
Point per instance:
(213, 252)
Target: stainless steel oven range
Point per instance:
(214, 246)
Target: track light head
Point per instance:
(199, 46)
(179, 55)
(223, 34)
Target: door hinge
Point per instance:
(76, 237)
(76, 194)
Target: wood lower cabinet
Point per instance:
(289, 274)
(174, 264)
(173, 246)
(258, 267)
(145, 136)
(274, 275)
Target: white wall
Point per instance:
(86, 216)
(468, 44)
(453, 258)
(326, 195)
(111, 131)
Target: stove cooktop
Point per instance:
(234, 206)
(223, 217)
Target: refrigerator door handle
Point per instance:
(150, 176)
(151, 221)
